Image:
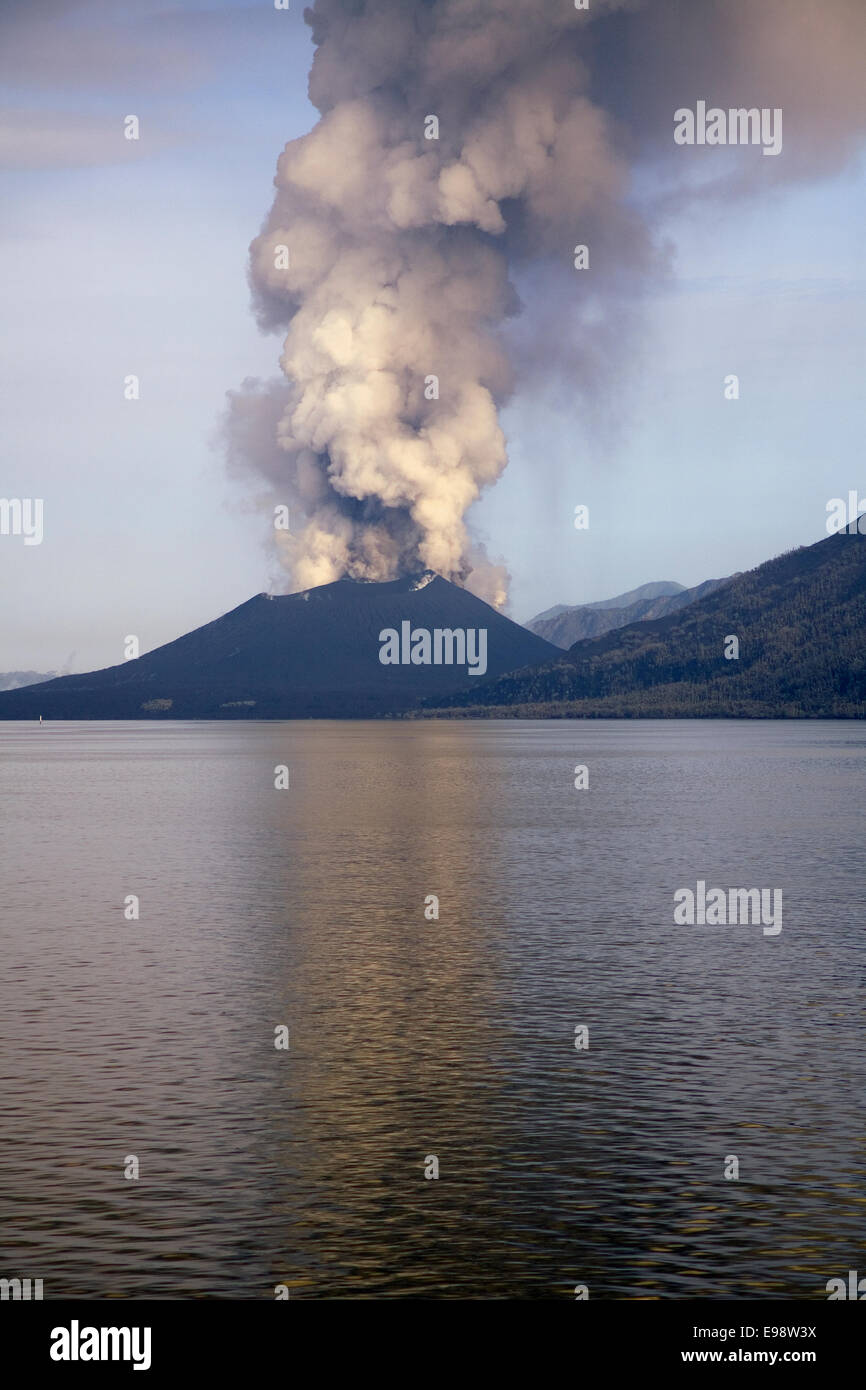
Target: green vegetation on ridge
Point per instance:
(801, 624)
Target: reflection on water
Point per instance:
(411, 1037)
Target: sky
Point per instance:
(125, 257)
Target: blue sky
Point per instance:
(121, 257)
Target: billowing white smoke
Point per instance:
(387, 256)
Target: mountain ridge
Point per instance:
(656, 588)
(800, 620)
(656, 600)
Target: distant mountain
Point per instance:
(297, 656)
(548, 613)
(564, 626)
(801, 624)
(659, 588)
(653, 590)
(13, 680)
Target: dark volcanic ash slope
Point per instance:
(801, 624)
(308, 655)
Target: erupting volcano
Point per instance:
(314, 654)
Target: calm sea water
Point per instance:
(412, 1037)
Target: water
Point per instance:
(412, 1037)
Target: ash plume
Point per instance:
(390, 259)
(399, 251)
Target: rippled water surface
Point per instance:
(412, 1037)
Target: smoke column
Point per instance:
(389, 258)
(399, 248)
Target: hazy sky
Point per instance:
(123, 257)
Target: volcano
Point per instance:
(310, 655)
